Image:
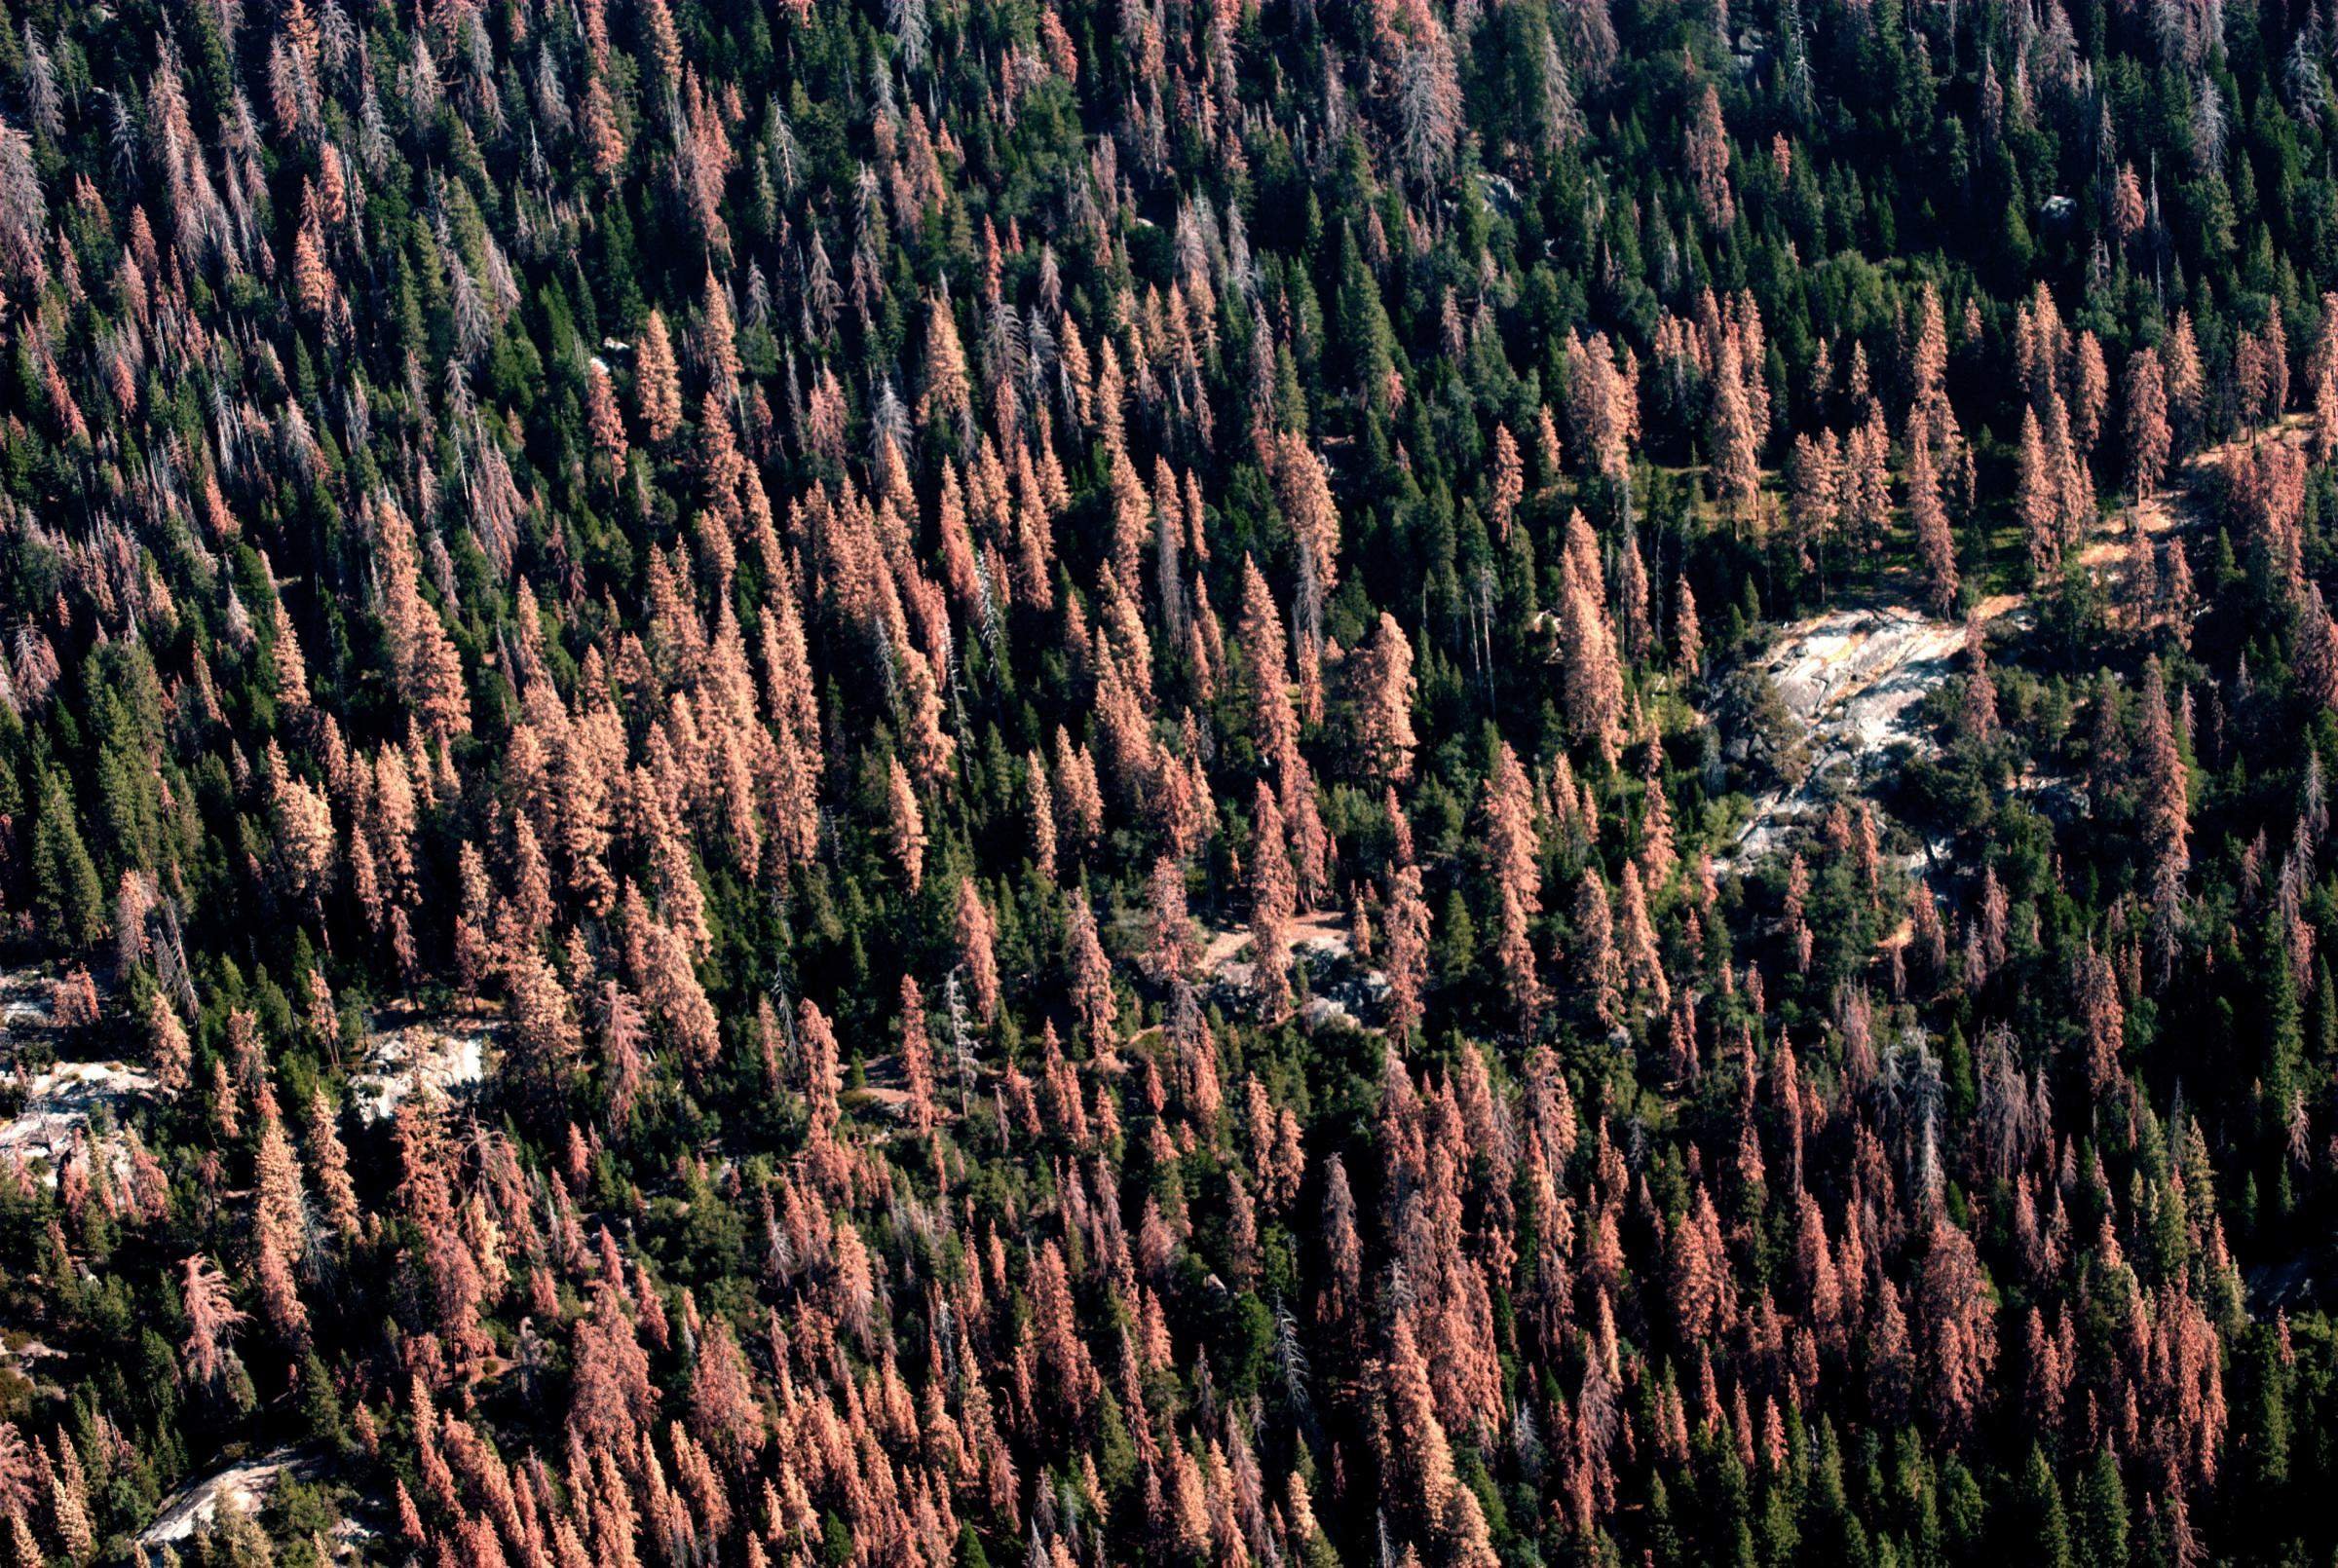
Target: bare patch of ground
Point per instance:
(1854, 680)
(2110, 552)
(1339, 989)
(1318, 929)
(241, 1488)
(444, 1053)
(60, 1104)
(2113, 550)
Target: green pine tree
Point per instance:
(68, 899)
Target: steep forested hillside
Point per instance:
(1289, 781)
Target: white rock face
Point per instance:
(1854, 679)
(25, 1005)
(60, 1103)
(447, 1054)
(62, 1099)
(241, 1488)
(1858, 672)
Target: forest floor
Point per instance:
(1221, 953)
(2298, 1282)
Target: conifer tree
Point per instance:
(1512, 854)
(1936, 546)
(2148, 437)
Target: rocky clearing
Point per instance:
(59, 1106)
(241, 1488)
(1339, 989)
(61, 1102)
(28, 1010)
(447, 1054)
(1856, 679)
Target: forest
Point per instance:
(1381, 782)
